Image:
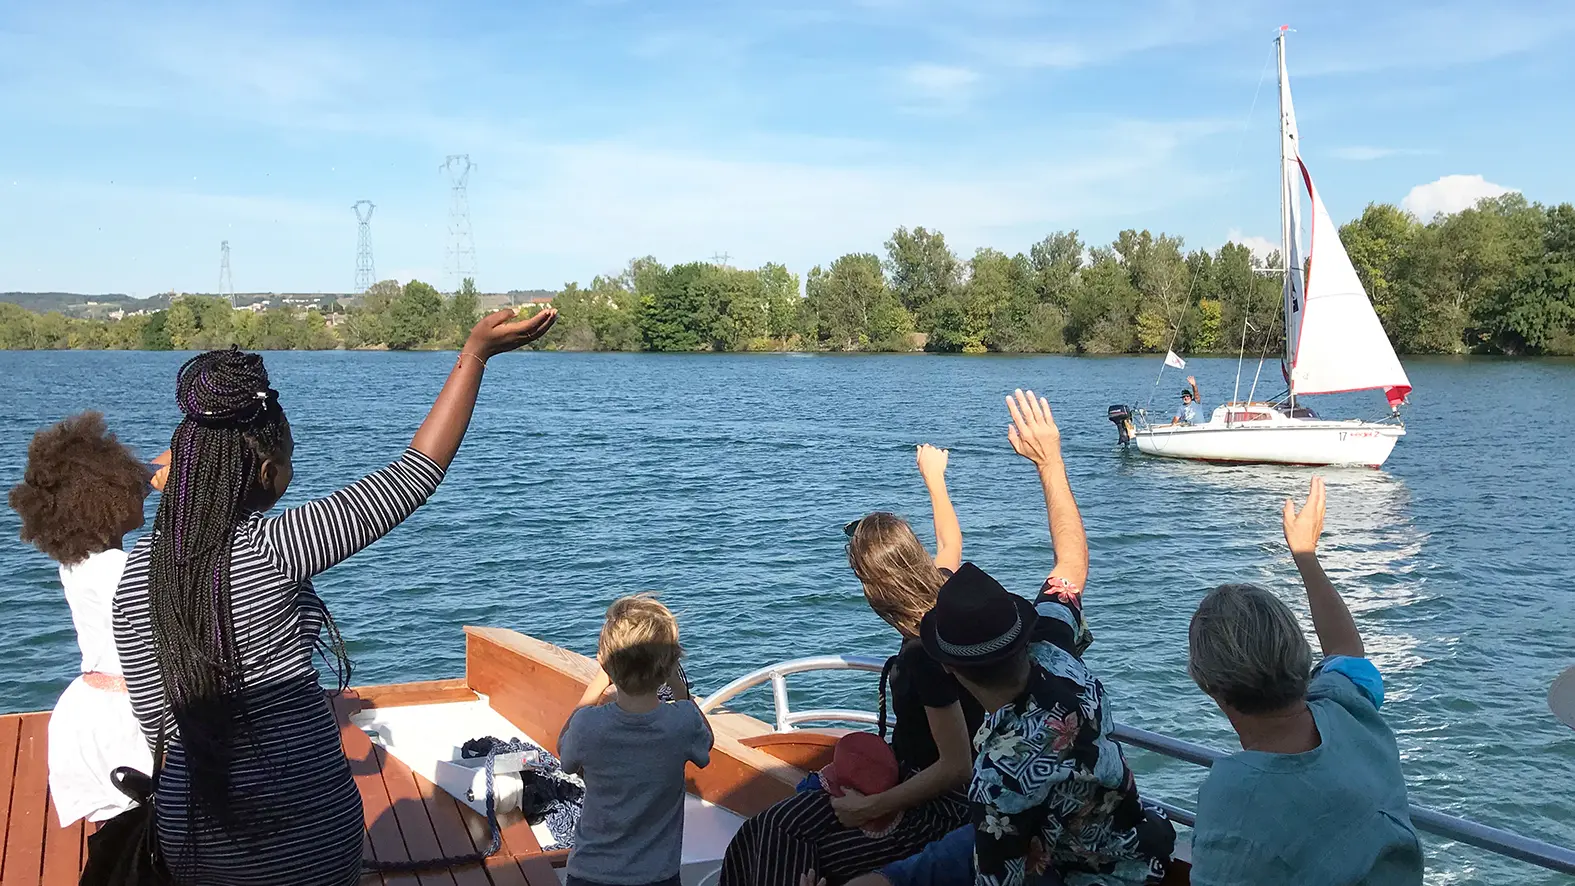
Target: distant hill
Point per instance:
(44, 302)
(74, 304)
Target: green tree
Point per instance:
(1535, 313)
(1251, 303)
(180, 324)
(1376, 243)
(998, 295)
(154, 335)
(462, 312)
(854, 309)
(1055, 262)
(415, 318)
(1159, 275)
(783, 303)
(924, 272)
(1099, 318)
(678, 314)
(16, 327)
(1455, 270)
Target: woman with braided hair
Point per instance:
(216, 621)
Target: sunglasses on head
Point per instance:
(852, 527)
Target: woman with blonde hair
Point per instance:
(842, 837)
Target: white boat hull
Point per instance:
(1290, 442)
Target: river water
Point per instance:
(723, 483)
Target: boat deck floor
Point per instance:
(407, 817)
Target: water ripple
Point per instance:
(723, 482)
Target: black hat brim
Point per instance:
(932, 646)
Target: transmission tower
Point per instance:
(720, 259)
(226, 283)
(365, 273)
(461, 257)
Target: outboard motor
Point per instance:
(1121, 416)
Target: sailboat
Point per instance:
(1333, 344)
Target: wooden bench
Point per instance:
(406, 817)
(36, 850)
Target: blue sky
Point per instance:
(138, 136)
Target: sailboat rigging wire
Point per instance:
(1186, 301)
(1261, 357)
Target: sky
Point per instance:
(137, 137)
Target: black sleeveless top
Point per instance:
(918, 682)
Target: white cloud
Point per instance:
(1262, 247)
(944, 85)
(1449, 194)
(1364, 153)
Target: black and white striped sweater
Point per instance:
(293, 778)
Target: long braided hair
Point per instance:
(233, 422)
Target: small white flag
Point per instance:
(1172, 360)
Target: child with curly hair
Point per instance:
(81, 494)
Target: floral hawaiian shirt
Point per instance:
(1050, 787)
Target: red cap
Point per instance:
(863, 762)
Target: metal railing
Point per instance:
(1496, 840)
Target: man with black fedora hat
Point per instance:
(1052, 798)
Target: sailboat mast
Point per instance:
(1288, 257)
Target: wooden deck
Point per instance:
(406, 815)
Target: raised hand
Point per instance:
(1303, 528)
(501, 332)
(808, 878)
(1033, 433)
(932, 462)
(161, 470)
(1192, 380)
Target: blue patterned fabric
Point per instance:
(1051, 791)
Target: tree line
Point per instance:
(1496, 278)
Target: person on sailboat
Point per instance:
(1191, 405)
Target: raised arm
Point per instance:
(1197, 397)
(1337, 634)
(306, 540)
(439, 436)
(1034, 436)
(948, 532)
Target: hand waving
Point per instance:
(502, 331)
(1302, 529)
(932, 462)
(1033, 433)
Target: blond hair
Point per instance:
(639, 644)
(898, 574)
(1245, 648)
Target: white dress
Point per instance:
(92, 731)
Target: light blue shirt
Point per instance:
(1336, 814)
(1192, 413)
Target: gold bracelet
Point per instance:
(464, 354)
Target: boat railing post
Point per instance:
(779, 694)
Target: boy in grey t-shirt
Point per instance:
(631, 752)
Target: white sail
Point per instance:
(1290, 212)
(1340, 345)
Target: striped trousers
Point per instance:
(802, 832)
